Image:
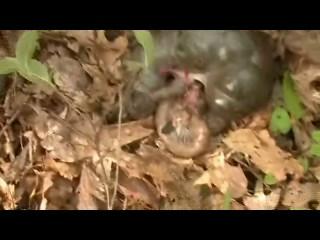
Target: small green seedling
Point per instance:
(227, 201)
(291, 98)
(30, 69)
(145, 39)
(270, 179)
(316, 136)
(283, 118)
(315, 146)
(280, 121)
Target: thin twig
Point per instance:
(252, 171)
(18, 111)
(106, 189)
(104, 172)
(117, 149)
(101, 160)
(125, 202)
(13, 117)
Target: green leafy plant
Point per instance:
(29, 68)
(280, 121)
(283, 117)
(315, 146)
(316, 136)
(291, 98)
(145, 39)
(227, 201)
(270, 179)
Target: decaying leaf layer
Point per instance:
(303, 58)
(261, 201)
(227, 178)
(264, 153)
(298, 195)
(59, 152)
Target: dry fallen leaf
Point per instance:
(106, 52)
(304, 43)
(62, 143)
(111, 52)
(298, 195)
(89, 190)
(102, 95)
(7, 192)
(27, 186)
(47, 183)
(264, 152)
(304, 63)
(83, 37)
(204, 179)
(70, 78)
(129, 132)
(61, 194)
(90, 74)
(261, 201)
(225, 177)
(170, 178)
(306, 76)
(139, 189)
(261, 119)
(10, 39)
(65, 151)
(217, 202)
(302, 136)
(13, 101)
(70, 146)
(158, 165)
(316, 172)
(68, 171)
(14, 170)
(43, 125)
(229, 179)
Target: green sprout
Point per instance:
(23, 64)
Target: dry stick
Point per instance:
(248, 168)
(97, 143)
(118, 149)
(106, 190)
(17, 112)
(13, 117)
(104, 170)
(9, 147)
(125, 202)
(251, 170)
(77, 131)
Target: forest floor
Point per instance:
(58, 151)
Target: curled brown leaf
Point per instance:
(264, 152)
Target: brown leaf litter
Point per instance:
(262, 201)
(227, 178)
(264, 153)
(299, 195)
(58, 150)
